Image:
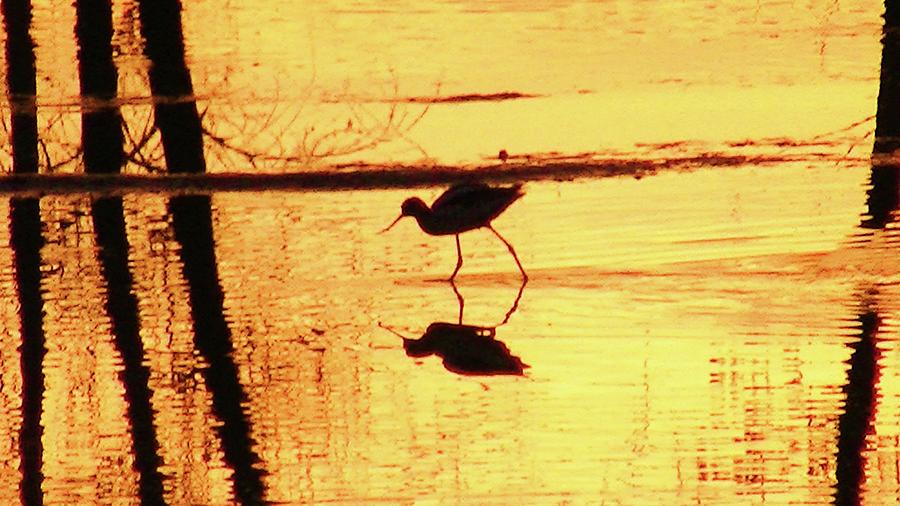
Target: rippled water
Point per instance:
(710, 315)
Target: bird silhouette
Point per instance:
(461, 208)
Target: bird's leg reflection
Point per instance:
(506, 317)
(459, 297)
(514, 306)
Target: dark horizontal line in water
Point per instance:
(362, 177)
(448, 99)
(719, 240)
(471, 97)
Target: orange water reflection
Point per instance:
(706, 368)
(694, 335)
(318, 86)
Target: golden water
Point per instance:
(690, 333)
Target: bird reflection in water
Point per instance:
(470, 350)
(466, 349)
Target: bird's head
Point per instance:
(411, 207)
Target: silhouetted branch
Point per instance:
(136, 151)
(264, 138)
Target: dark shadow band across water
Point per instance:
(366, 177)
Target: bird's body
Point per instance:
(461, 208)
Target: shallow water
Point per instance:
(710, 315)
(683, 363)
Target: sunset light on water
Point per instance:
(200, 304)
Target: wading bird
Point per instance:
(461, 208)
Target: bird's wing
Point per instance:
(461, 195)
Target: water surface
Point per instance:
(710, 315)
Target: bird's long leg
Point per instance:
(511, 250)
(458, 259)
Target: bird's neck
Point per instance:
(425, 218)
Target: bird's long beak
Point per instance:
(392, 224)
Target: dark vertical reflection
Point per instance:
(859, 410)
(21, 83)
(887, 121)
(101, 121)
(122, 306)
(882, 201)
(175, 110)
(26, 242)
(884, 195)
(192, 222)
(882, 198)
(102, 142)
(176, 116)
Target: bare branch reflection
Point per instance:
(283, 136)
